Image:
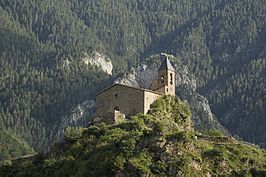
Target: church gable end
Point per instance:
(119, 101)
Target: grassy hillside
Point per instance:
(160, 143)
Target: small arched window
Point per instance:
(171, 78)
(116, 108)
(162, 79)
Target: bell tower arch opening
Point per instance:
(166, 77)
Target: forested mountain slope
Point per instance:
(36, 90)
(12, 147)
(226, 50)
(42, 44)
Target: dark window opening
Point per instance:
(116, 95)
(116, 108)
(162, 79)
(171, 78)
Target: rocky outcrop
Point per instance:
(143, 74)
(98, 60)
(80, 116)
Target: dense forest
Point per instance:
(222, 41)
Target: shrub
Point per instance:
(214, 132)
(141, 163)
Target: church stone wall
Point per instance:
(149, 98)
(127, 100)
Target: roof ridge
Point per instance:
(137, 88)
(165, 64)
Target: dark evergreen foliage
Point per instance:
(222, 41)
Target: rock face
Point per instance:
(142, 76)
(80, 116)
(186, 86)
(98, 60)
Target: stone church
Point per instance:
(120, 101)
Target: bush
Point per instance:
(141, 164)
(182, 137)
(71, 134)
(214, 132)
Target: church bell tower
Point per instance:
(166, 77)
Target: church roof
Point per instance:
(166, 64)
(121, 85)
